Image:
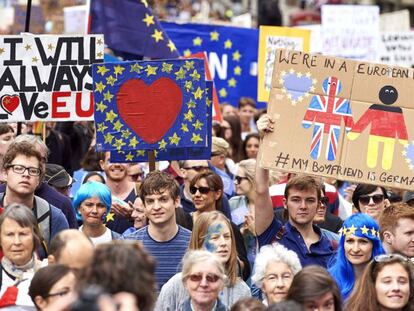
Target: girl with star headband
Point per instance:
(358, 244)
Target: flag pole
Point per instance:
(26, 29)
(151, 160)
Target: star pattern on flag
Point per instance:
(148, 20)
(197, 41)
(157, 35)
(116, 134)
(214, 36)
(102, 70)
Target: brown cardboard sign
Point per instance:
(341, 118)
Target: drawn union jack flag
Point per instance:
(325, 112)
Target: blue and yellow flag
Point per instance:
(232, 55)
(150, 105)
(131, 29)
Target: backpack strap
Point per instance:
(43, 215)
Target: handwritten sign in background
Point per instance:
(333, 91)
(47, 77)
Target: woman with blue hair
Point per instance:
(359, 243)
(93, 203)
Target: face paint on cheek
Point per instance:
(213, 229)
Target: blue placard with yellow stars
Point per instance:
(195, 153)
(232, 56)
(150, 105)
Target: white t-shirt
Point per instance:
(104, 238)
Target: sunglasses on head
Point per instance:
(202, 190)
(376, 198)
(389, 257)
(210, 278)
(239, 179)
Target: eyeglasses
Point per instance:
(376, 198)
(202, 190)
(196, 168)
(20, 169)
(60, 294)
(239, 179)
(325, 201)
(389, 257)
(210, 278)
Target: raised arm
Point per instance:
(263, 204)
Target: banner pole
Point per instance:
(151, 160)
(26, 29)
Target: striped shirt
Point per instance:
(168, 254)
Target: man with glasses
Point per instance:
(23, 171)
(370, 199)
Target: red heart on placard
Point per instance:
(10, 102)
(150, 110)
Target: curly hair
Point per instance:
(341, 268)
(124, 266)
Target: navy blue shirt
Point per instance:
(319, 253)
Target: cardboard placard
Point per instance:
(351, 122)
(395, 21)
(351, 31)
(397, 48)
(150, 105)
(270, 39)
(47, 77)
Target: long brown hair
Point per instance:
(199, 234)
(312, 282)
(364, 295)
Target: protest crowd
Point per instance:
(225, 207)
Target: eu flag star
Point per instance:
(102, 70)
(228, 44)
(119, 143)
(133, 142)
(188, 85)
(108, 96)
(140, 153)
(126, 133)
(180, 74)
(118, 70)
(236, 56)
(101, 106)
(189, 116)
(174, 140)
(195, 75)
(110, 116)
(101, 127)
(118, 125)
(223, 92)
(110, 217)
(99, 86)
(352, 229)
(162, 144)
(148, 20)
(364, 230)
(214, 36)
(191, 104)
(136, 68)
(167, 67)
(232, 82)
(198, 94)
(151, 70)
(184, 127)
(157, 35)
(196, 138)
(129, 157)
(108, 138)
(171, 45)
(197, 41)
(189, 65)
(198, 125)
(111, 80)
(237, 70)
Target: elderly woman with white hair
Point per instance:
(275, 267)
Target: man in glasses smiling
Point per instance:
(22, 167)
(370, 199)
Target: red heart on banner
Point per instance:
(10, 102)
(150, 110)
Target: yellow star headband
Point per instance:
(364, 230)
